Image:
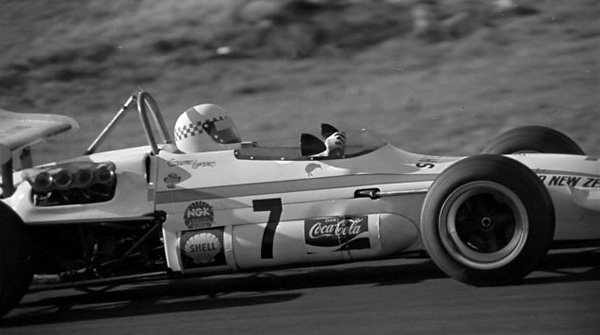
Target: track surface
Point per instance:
(383, 297)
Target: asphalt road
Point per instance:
(383, 297)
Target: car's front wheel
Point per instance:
(487, 220)
(15, 258)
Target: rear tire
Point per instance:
(487, 220)
(533, 139)
(15, 257)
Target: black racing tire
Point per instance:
(15, 259)
(537, 139)
(487, 220)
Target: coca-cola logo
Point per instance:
(338, 231)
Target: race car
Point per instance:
(204, 202)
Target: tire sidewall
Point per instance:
(15, 259)
(522, 182)
(533, 139)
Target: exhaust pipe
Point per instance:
(42, 182)
(62, 179)
(105, 174)
(83, 178)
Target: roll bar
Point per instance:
(145, 102)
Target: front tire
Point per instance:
(487, 220)
(15, 258)
(536, 139)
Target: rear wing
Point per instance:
(20, 130)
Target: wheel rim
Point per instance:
(483, 225)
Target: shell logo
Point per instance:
(202, 248)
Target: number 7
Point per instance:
(274, 207)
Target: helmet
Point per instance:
(205, 128)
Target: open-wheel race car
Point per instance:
(204, 202)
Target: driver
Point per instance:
(205, 128)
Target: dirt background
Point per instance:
(431, 77)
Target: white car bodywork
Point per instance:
(249, 208)
(330, 191)
(106, 218)
(213, 222)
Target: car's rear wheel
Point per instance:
(15, 256)
(487, 220)
(536, 139)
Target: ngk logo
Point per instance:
(198, 215)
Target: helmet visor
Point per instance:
(222, 130)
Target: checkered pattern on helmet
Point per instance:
(188, 130)
(215, 119)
